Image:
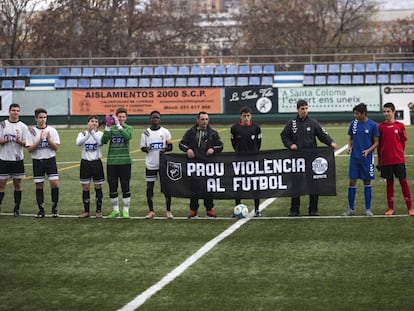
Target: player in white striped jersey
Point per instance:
(42, 142)
(154, 140)
(91, 166)
(13, 135)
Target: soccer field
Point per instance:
(267, 263)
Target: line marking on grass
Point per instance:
(144, 296)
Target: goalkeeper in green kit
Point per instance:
(118, 167)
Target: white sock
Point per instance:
(115, 205)
(127, 203)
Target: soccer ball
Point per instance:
(240, 211)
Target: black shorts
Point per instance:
(91, 170)
(45, 167)
(397, 170)
(118, 172)
(151, 175)
(11, 169)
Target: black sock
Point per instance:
(99, 197)
(1, 197)
(86, 200)
(39, 198)
(55, 196)
(17, 198)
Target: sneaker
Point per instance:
(84, 215)
(390, 212)
(211, 214)
(114, 214)
(16, 212)
(125, 214)
(257, 213)
(169, 215)
(314, 213)
(349, 212)
(369, 213)
(150, 215)
(293, 212)
(40, 213)
(98, 214)
(411, 212)
(55, 212)
(192, 214)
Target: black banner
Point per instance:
(273, 173)
(262, 100)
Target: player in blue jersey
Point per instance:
(363, 139)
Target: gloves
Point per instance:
(109, 120)
(116, 120)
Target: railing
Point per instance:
(282, 62)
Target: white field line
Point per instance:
(144, 296)
(78, 162)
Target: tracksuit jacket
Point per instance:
(201, 140)
(303, 133)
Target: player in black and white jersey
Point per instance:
(13, 135)
(154, 140)
(91, 165)
(42, 142)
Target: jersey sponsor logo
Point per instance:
(157, 145)
(117, 140)
(91, 147)
(43, 145)
(12, 137)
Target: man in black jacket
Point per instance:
(300, 133)
(201, 142)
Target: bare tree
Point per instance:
(399, 33)
(14, 16)
(114, 28)
(139, 30)
(309, 26)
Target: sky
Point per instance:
(397, 4)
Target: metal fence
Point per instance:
(283, 59)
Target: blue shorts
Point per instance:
(361, 168)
